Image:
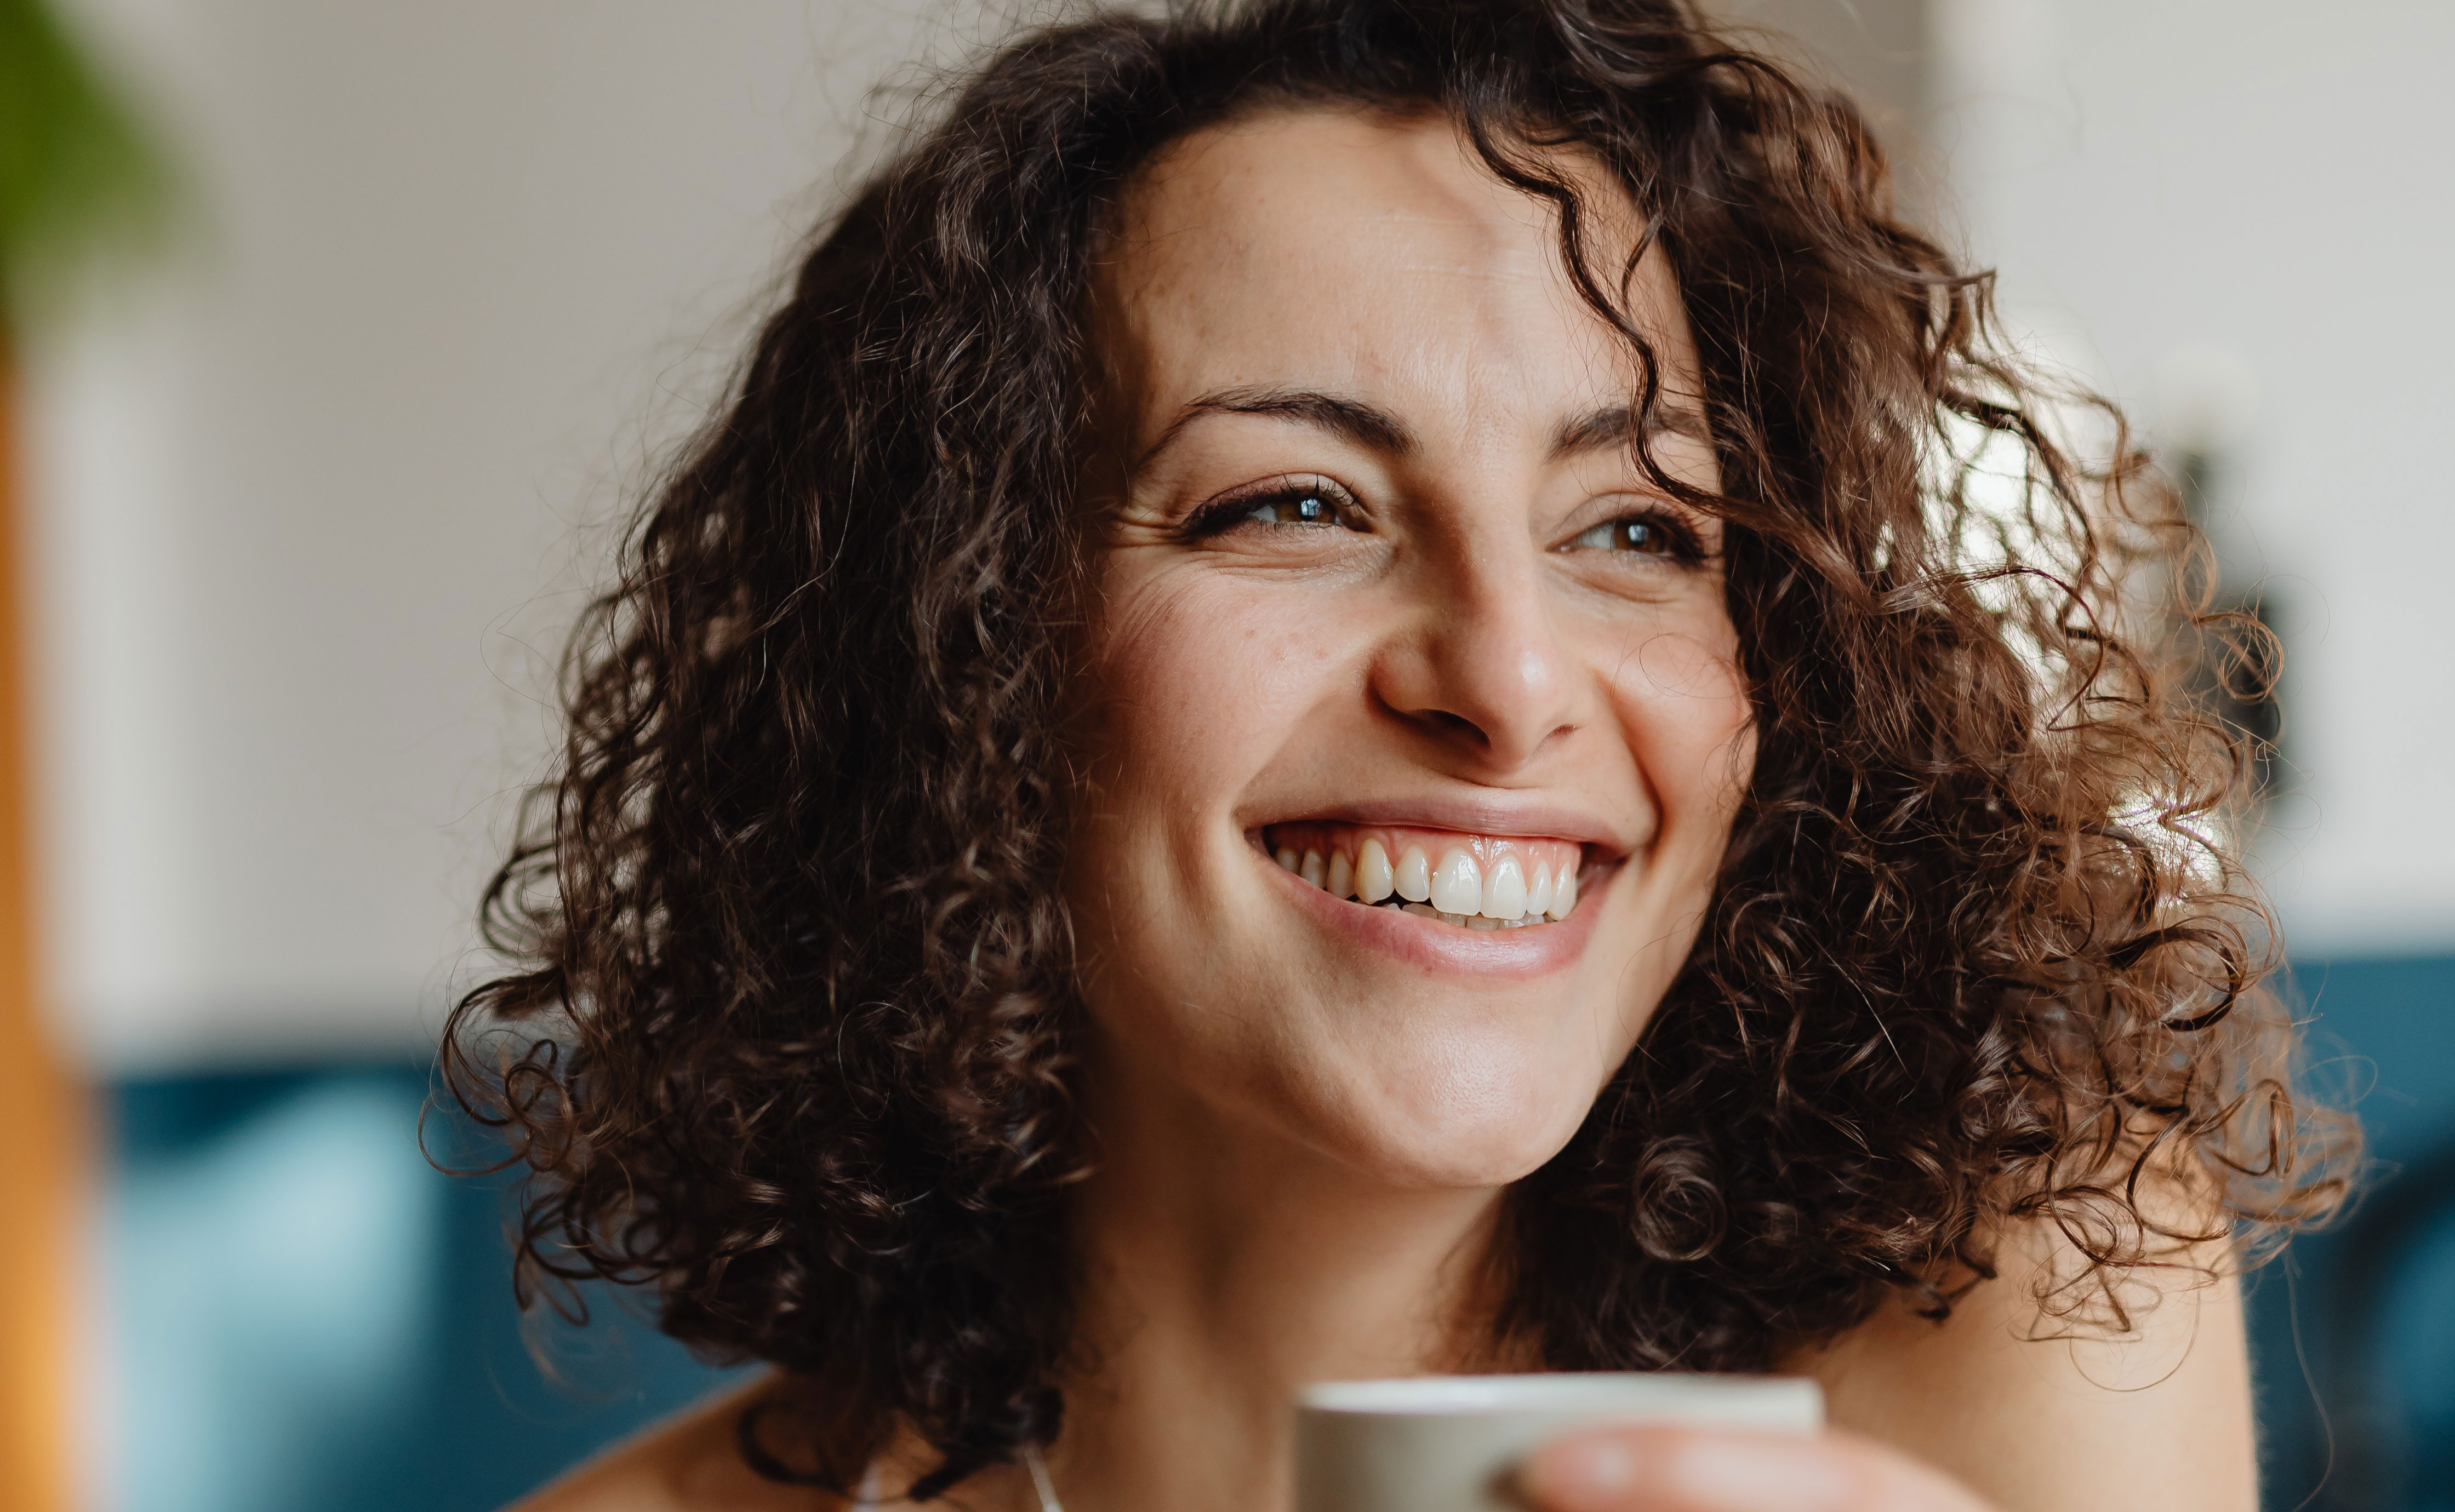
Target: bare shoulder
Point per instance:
(686, 1463)
(2037, 1420)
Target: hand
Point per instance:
(1666, 1470)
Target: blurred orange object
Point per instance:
(43, 1114)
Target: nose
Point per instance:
(1481, 668)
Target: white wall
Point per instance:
(2271, 181)
(456, 269)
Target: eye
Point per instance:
(1311, 502)
(1639, 534)
(1310, 506)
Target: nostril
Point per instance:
(1486, 724)
(1448, 723)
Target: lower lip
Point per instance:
(1537, 950)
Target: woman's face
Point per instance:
(1383, 594)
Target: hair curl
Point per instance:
(787, 1036)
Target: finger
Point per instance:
(1667, 1470)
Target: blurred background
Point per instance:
(337, 337)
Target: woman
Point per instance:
(1363, 687)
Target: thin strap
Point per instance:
(867, 1499)
(1031, 1462)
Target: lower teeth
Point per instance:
(1460, 921)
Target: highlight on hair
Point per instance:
(785, 1027)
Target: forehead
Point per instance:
(1368, 255)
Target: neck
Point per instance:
(1224, 1269)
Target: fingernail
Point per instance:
(1581, 1473)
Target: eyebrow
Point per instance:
(1357, 421)
(1612, 425)
(1607, 426)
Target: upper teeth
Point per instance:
(1460, 889)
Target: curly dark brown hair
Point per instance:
(787, 1033)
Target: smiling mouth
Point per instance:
(1467, 881)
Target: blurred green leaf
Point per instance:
(77, 172)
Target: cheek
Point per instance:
(1197, 688)
(1685, 704)
(1682, 707)
(1196, 683)
(1695, 703)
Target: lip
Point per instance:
(1433, 946)
(1510, 817)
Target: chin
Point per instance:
(1482, 1121)
(1468, 1159)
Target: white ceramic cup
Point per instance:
(1450, 1443)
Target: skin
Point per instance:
(1306, 1111)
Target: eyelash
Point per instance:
(1222, 515)
(1680, 543)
